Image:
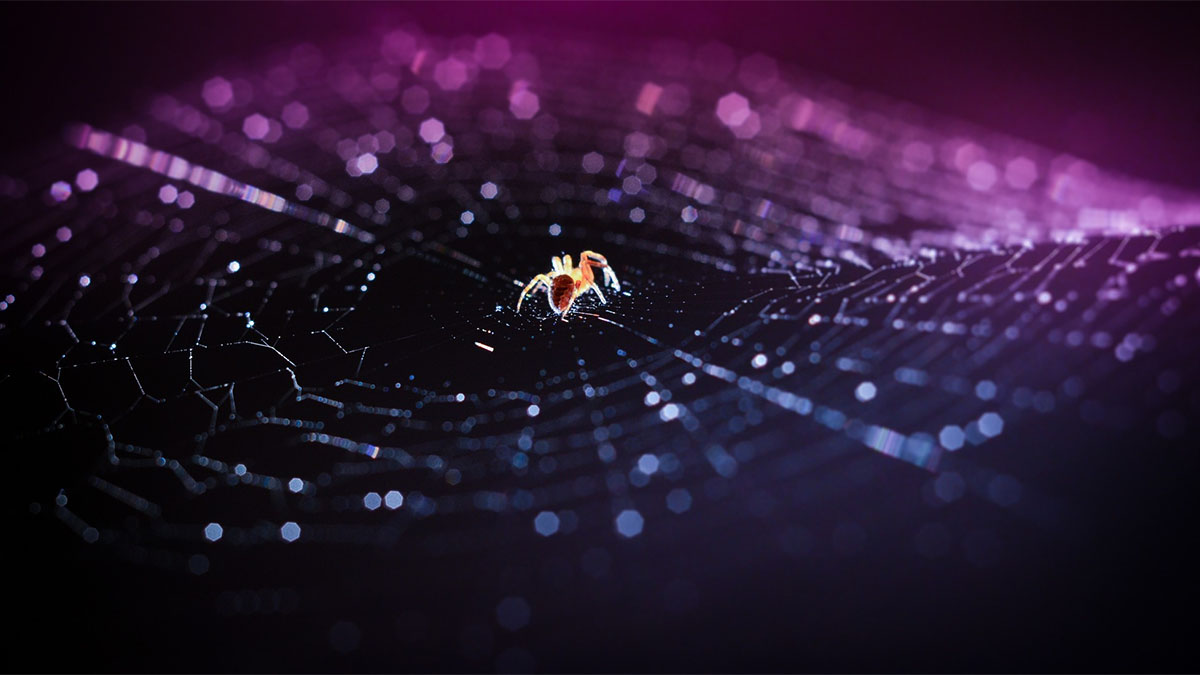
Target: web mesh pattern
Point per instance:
(262, 336)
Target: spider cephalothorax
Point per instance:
(564, 283)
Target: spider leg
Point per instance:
(597, 260)
(610, 278)
(541, 278)
(566, 311)
(556, 264)
(596, 289)
(567, 262)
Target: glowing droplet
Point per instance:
(60, 191)
(629, 523)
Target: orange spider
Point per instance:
(565, 283)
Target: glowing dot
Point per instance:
(689, 214)
(669, 412)
(217, 93)
(85, 281)
(523, 104)
(865, 391)
(60, 191)
(63, 234)
(733, 109)
(167, 194)
(787, 367)
(533, 410)
(652, 398)
(442, 153)
(492, 51)
(393, 500)
(87, 180)
(689, 379)
(637, 215)
(367, 163)
(450, 74)
(467, 217)
(255, 127)
(555, 229)
(185, 200)
(546, 523)
(749, 128)
(986, 390)
(290, 531)
(679, 500)
(213, 531)
(593, 162)
(432, 130)
(372, 501)
(1021, 173)
(629, 523)
(240, 469)
(952, 437)
(295, 115)
(296, 484)
(759, 360)
(489, 190)
(648, 464)
(981, 176)
(233, 266)
(132, 279)
(637, 144)
(991, 424)
(38, 250)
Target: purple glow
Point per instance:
(87, 180)
(523, 103)
(60, 191)
(492, 51)
(256, 127)
(218, 93)
(295, 115)
(451, 74)
(432, 130)
(733, 109)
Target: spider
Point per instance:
(565, 283)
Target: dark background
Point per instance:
(1113, 83)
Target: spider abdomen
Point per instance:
(561, 291)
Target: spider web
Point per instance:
(265, 329)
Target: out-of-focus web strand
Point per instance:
(142, 156)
